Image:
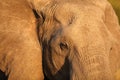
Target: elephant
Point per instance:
(20, 51)
(80, 39)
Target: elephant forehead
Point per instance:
(68, 13)
(83, 34)
(86, 21)
(64, 13)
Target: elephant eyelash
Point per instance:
(63, 45)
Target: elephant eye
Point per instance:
(63, 46)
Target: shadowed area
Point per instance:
(2, 76)
(45, 78)
(64, 71)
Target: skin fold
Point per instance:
(20, 51)
(80, 39)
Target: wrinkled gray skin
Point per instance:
(80, 40)
(20, 51)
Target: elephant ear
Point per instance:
(111, 21)
(112, 24)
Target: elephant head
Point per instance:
(75, 40)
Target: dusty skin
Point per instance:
(80, 39)
(20, 51)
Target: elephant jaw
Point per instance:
(90, 68)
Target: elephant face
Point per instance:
(73, 46)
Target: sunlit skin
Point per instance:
(71, 40)
(20, 51)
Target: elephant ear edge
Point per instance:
(111, 20)
(112, 23)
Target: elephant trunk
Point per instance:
(94, 67)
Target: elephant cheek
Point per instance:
(58, 61)
(91, 68)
